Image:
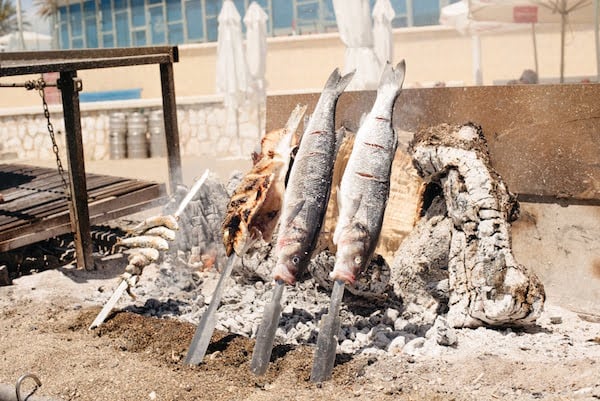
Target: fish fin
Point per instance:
(348, 209)
(363, 118)
(287, 140)
(295, 117)
(294, 212)
(339, 138)
(392, 78)
(293, 153)
(338, 83)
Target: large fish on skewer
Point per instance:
(254, 208)
(304, 207)
(362, 198)
(252, 213)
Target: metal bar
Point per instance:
(171, 127)
(69, 88)
(24, 67)
(97, 54)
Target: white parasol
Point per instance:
(383, 14)
(256, 54)
(354, 23)
(232, 72)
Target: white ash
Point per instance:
(381, 330)
(374, 321)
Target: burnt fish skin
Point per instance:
(309, 184)
(365, 185)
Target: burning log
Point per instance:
(465, 225)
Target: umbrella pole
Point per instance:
(237, 122)
(476, 55)
(563, 22)
(597, 39)
(535, 54)
(258, 120)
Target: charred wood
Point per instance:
(471, 236)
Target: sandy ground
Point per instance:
(44, 323)
(43, 330)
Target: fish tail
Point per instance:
(337, 83)
(392, 78)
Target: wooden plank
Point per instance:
(544, 139)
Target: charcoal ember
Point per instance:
(257, 263)
(373, 282)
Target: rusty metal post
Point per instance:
(70, 86)
(171, 127)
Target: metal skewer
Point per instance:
(266, 332)
(124, 284)
(327, 340)
(207, 324)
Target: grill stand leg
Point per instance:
(70, 86)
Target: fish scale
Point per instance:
(305, 203)
(363, 194)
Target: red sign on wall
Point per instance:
(525, 14)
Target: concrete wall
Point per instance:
(433, 53)
(205, 128)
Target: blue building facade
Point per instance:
(122, 23)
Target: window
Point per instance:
(426, 12)
(91, 28)
(194, 17)
(119, 23)
(63, 27)
(76, 24)
(282, 16)
(157, 25)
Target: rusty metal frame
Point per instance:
(67, 63)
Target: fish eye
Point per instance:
(295, 260)
(357, 260)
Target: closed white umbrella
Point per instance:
(383, 14)
(256, 54)
(256, 43)
(353, 18)
(232, 72)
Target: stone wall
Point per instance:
(205, 128)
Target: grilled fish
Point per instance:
(309, 184)
(155, 221)
(254, 208)
(365, 185)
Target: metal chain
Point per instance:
(39, 85)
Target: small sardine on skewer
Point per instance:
(151, 254)
(305, 204)
(162, 231)
(168, 221)
(362, 198)
(144, 241)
